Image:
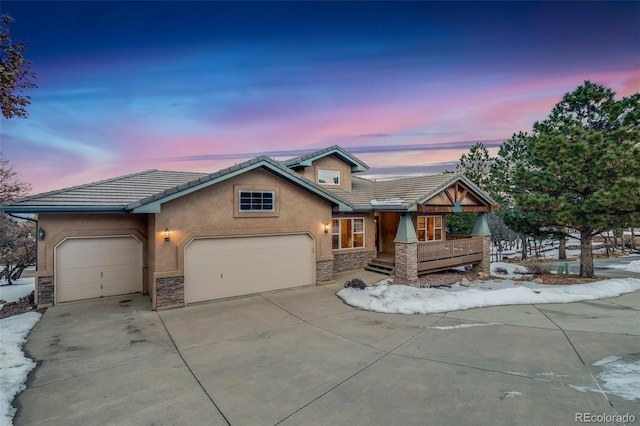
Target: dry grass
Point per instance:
(554, 279)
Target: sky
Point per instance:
(199, 86)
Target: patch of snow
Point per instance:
(403, 299)
(633, 266)
(453, 327)
(14, 365)
(606, 360)
(512, 270)
(384, 281)
(387, 202)
(584, 389)
(19, 288)
(511, 394)
(551, 374)
(620, 377)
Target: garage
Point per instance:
(216, 268)
(96, 267)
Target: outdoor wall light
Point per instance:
(166, 234)
(41, 234)
(326, 228)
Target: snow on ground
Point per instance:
(509, 270)
(403, 299)
(620, 378)
(633, 266)
(13, 292)
(453, 327)
(511, 394)
(14, 365)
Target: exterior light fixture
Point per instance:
(41, 234)
(326, 228)
(166, 234)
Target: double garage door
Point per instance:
(96, 267)
(216, 268)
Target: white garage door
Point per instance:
(96, 267)
(224, 267)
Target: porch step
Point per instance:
(380, 267)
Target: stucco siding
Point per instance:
(212, 212)
(330, 162)
(61, 226)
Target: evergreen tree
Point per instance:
(582, 166)
(475, 165)
(511, 155)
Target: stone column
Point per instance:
(406, 246)
(481, 229)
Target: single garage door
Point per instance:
(223, 267)
(97, 267)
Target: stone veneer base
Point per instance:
(169, 292)
(351, 261)
(324, 271)
(45, 291)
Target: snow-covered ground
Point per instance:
(633, 266)
(620, 377)
(403, 299)
(509, 270)
(14, 365)
(13, 292)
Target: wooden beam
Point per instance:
(422, 208)
(446, 192)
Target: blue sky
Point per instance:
(408, 87)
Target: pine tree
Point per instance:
(582, 167)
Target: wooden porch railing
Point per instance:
(434, 255)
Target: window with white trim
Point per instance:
(429, 228)
(257, 201)
(347, 233)
(328, 177)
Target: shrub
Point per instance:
(501, 270)
(355, 283)
(536, 266)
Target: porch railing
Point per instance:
(434, 255)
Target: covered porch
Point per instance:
(412, 243)
(434, 256)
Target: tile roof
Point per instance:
(115, 192)
(400, 194)
(139, 191)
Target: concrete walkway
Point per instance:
(303, 357)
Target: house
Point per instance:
(258, 226)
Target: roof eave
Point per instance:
(63, 209)
(356, 165)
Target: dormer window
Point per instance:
(328, 177)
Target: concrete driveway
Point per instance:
(303, 357)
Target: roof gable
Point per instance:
(153, 203)
(308, 159)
